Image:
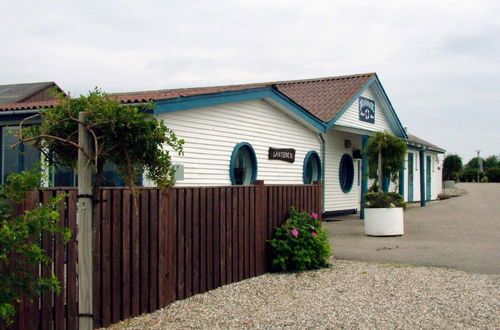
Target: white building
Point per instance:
(289, 132)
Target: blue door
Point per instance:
(428, 172)
(410, 177)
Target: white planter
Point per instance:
(449, 184)
(384, 221)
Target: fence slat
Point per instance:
(188, 245)
(116, 248)
(195, 238)
(153, 250)
(97, 263)
(126, 252)
(72, 259)
(135, 258)
(202, 241)
(181, 247)
(144, 252)
(106, 259)
(209, 234)
(46, 297)
(217, 239)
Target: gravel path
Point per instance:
(348, 295)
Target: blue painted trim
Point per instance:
(206, 100)
(346, 107)
(319, 175)
(386, 182)
(364, 175)
(422, 178)
(391, 108)
(402, 180)
(348, 187)
(233, 159)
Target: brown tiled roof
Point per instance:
(415, 139)
(322, 97)
(28, 105)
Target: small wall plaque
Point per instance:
(287, 155)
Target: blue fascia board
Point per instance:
(391, 109)
(206, 100)
(347, 106)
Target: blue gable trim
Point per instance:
(206, 100)
(395, 120)
(344, 109)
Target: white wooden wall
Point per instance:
(350, 118)
(211, 134)
(436, 176)
(335, 198)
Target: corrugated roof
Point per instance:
(29, 105)
(418, 140)
(15, 93)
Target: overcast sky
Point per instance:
(439, 61)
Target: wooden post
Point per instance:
(261, 227)
(84, 225)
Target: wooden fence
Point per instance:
(180, 242)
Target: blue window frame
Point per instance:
(243, 164)
(25, 157)
(346, 173)
(312, 167)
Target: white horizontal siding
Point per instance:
(350, 118)
(436, 174)
(335, 198)
(211, 133)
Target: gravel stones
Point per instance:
(348, 295)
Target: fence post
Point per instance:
(319, 200)
(262, 225)
(84, 225)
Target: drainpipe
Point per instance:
(323, 168)
(422, 177)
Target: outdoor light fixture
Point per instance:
(347, 143)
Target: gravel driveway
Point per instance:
(350, 294)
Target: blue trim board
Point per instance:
(422, 177)
(364, 175)
(402, 180)
(319, 175)
(391, 108)
(206, 100)
(233, 159)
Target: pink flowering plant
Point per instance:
(300, 243)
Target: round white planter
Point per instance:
(384, 221)
(449, 184)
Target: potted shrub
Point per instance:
(452, 165)
(384, 210)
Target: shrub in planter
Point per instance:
(382, 199)
(300, 243)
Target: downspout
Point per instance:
(323, 168)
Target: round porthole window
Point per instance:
(312, 167)
(346, 173)
(243, 166)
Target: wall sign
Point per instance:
(287, 155)
(367, 110)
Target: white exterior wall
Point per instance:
(436, 174)
(211, 133)
(350, 118)
(335, 198)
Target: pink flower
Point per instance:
(295, 232)
(314, 215)
(314, 234)
(313, 228)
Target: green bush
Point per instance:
(382, 199)
(493, 174)
(20, 236)
(452, 165)
(300, 243)
(470, 175)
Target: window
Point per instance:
(346, 173)
(243, 165)
(312, 168)
(25, 157)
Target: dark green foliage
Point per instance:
(393, 152)
(126, 136)
(491, 161)
(19, 237)
(382, 199)
(473, 163)
(470, 175)
(493, 174)
(307, 249)
(452, 165)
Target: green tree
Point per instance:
(452, 165)
(19, 247)
(392, 151)
(473, 163)
(127, 136)
(491, 161)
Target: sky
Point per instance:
(439, 61)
